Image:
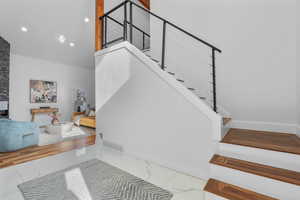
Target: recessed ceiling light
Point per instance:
(72, 44)
(61, 39)
(24, 29)
(86, 20)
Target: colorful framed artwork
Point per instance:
(43, 91)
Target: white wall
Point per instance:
(68, 78)
(256, 79)
(152, 116)
(140, 19)
(298, 66)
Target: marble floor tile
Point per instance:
(183, 187)
(9, 179)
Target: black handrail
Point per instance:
(165, 23)
(114, 9)
(175, 26)
(168, 22)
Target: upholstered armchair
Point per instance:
(17, 135)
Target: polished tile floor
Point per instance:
(183, 187)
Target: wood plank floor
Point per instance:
(282, 142)
(37, 152)
(279, 174)
(233, 192)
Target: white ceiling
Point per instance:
(46, 20)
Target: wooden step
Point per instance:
(226, 120)
(279, 174)
(283, 142)
(233, 192)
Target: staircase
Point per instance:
(179, 79)
(127, 34)
(253, 165)
(248, 164)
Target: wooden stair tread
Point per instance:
(279, 174)
(226, 120)
(233, 192)
(283, 142)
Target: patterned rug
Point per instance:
(92, 180)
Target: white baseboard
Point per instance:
(164, 162)
(176, 166)
(266, 126)
(112, 145)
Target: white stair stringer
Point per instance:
(267, 186)
(208, 98)
(277, 159)
(112, 79)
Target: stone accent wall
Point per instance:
(4, 70)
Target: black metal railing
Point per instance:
(166, 23)
(124, 25)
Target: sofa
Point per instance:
(17, 135)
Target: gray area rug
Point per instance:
(92, 180)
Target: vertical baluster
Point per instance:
(214, 79)
(125, 22)
(131, 21)
(143, 40)
(102, 35)
(105, 39)
(163, 46)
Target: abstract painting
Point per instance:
(43, 91)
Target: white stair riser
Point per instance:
(210, 196)
(266, 157)
(259, 184)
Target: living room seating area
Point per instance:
(16, 135)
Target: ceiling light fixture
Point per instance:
(72, 44)
(86, 20)
(61, 39)
(24, 29)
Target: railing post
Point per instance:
(214, 79)
(130, 21)
(105, 38)
(163, 46)
(125, 21)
